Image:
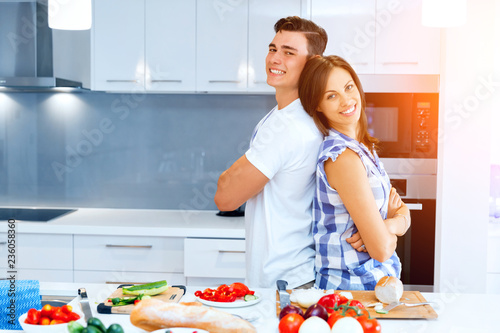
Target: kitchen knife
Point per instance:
(84, 302)
(284, 295)
(391, 306)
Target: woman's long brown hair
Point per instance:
(312, 86)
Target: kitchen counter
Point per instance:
(138, 222)
(457, 312)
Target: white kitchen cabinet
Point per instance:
(379, 37)
(118, 45)
(126, 253)
(350, 26)
(43, 257)
(170, 45)
(222, 46)
(214, 258)
(403, 45)
(261, 19)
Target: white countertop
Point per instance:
(458, 313)
(138, 222)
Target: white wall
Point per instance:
(464, 150)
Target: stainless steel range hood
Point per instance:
(26, 49)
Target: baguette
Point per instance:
(152, 314)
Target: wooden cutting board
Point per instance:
(172, 294)
(401, 312)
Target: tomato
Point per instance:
(58, 314)
(67, 308)
(33, 316)
(356, 303)
(240, 289)
(73, 316)
(369, 325)
(47, 311)
(334, 316)
(290, 323)
(343, 300)
(329, 301)
(56, 321)
(45, 321)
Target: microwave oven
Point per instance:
(406, 124)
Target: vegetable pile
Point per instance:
(333, 313)
(94, 325)
(140, 291)
(227, 293)
(51, 315)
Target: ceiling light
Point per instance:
(70, 14)
(444, 13)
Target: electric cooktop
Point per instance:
(32, 214)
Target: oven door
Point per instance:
(389, 118)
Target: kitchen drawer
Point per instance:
(221, 258)
(39, 251)
(123, 277)
(42, 275)
(128, 253)
(493, 255)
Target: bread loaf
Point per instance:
(151, 315)
(389, 289)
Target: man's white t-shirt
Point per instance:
(278, 220)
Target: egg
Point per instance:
(314, 325)
(346, 325)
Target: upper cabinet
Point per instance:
(221, 45)
(118, 52)
(403, 45)
(170, 45)
(346, 23)
(379, 36)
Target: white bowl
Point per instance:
(57, 328)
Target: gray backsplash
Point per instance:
(144, 151)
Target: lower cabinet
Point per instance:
(493, 262)
(127, 259)
(44, 257)
(210, 261)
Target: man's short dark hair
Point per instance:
(316, 36)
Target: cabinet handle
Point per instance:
(131, 246)
(3, 243)
(224, 251)
(177, 81)
(123, 282)
(400, 63)
(259, 82)
(414, 206)
(122, 81)
(223, 81)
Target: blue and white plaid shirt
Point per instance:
(338, 264)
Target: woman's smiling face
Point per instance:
(341, 102)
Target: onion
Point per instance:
(314, 325)
(347, 325)
(316, 310)
(291, 309)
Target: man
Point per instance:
(276, 175)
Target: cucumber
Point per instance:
(114, 328)
(250, 297)
(153, 288)
(97, 323)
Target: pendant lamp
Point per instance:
(444, 13)
(70, 14)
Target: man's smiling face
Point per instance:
(286, 58)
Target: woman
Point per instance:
(357, 214)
